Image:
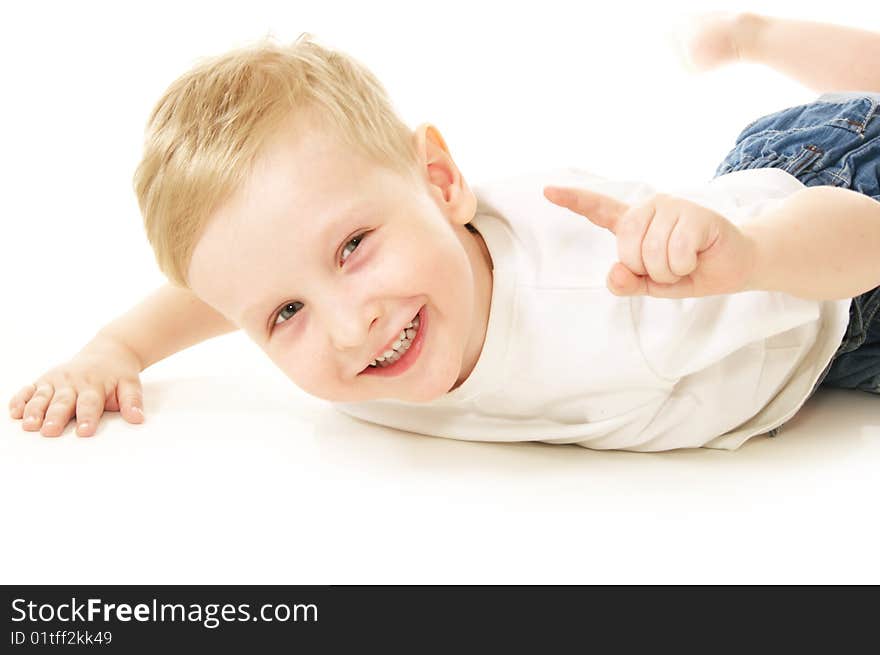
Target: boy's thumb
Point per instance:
(131, 400)
(623, 282)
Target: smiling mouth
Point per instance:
(405, 350)
(400, 346)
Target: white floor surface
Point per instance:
(243, 479)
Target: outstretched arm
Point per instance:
(821, 56)
(167, 321)
(105, 374)
(821, 243)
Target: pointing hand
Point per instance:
(668, 247)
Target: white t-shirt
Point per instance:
(567, 361)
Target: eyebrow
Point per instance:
(332, 226)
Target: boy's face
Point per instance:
(278, 260)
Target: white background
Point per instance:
(237, 477)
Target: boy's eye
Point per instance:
(287, 312)
(356, 240)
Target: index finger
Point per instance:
(602, 210)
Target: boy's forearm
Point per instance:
(167, 321)
(821, 243)
(822, 56)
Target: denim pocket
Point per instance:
(852, 113)
(811, 142)
(797, 153)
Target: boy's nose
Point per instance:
(344, 338)
(349, 328)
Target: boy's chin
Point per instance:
(431, 392)
(417, 391)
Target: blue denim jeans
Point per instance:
(832, 141)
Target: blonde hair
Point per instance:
(205, 132)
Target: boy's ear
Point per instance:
(443, 175)
(430, 145)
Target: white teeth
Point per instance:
(400, 345)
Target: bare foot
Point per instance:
(708, 41)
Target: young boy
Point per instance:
(283, 196)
